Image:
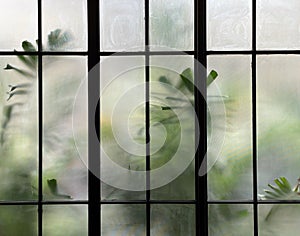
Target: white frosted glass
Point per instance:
(232, 170)
(228, 24)
(18, 23)
(278, 116)
(278, 24)
(122, 25)
(172, 24)
(62, 77)
(70, 16)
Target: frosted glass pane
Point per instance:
(277, 220)
(61, 80)
(172, 220)
(235, 220)
(172, 24)
(278, 112)
(232, 158)
(125, 219)
(65, 220)
(229, 24)
(169, 131)
(18, 23)
(122, 25)
(278, 24)
(122, 124)
(69, 16)
(18, 220)
(19, 128)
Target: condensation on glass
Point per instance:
(231, 175)
(62, 77)
(122, 25)
(229, 24)
(66, 22)
(278, 24)
(172, 24)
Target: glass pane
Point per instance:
(63, 165)
(122, 127)
(172, 127)
(229, 24)
(18, 220)
(19, 127)
(277, 220)
(278, 115)
(126, 219)
(235, 220)
(18, 23)
(172, 220)
(65, 220)
(229, 128)
(172, 24)
(64, 25)
(122, 25)
(278, 23)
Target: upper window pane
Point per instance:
(228, 24)
(171, 24)
(122, 25)
(64, 25)
(19, 23)
(278, 24)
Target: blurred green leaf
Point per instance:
(211, 77)
(187, 79)
(28, 47)
(57, 39)
(52, 184)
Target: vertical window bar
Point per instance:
(94, 215)
(147, 94)
(200, 108)
(40, 121)
(255, 201)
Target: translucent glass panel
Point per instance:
(122, 125)
(281, 219)
(18, 133)
(64, 25)
(172, 130)
(278, 112)
(229, 120)
(18, 220)
(18, 23)
(65, 220)
(127, 219)
(122, 25)
(173, 220)
(229, 24)
(278, 24)
(172, 24)
(65, 174)
(235, 220)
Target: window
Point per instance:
(183, 150)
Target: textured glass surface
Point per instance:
(68, 16)
(18, 23)
(18, 220)
(278, 115)
(125, 219)
(61, 80)
(18, 133)
(122, 25)
(229, 105)
(171, 128)
(278, 24)
(122, 123)
(277, 220)
(225, 219)
(171, 24)
(173, 220)
(229, 24)
(65, 220)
